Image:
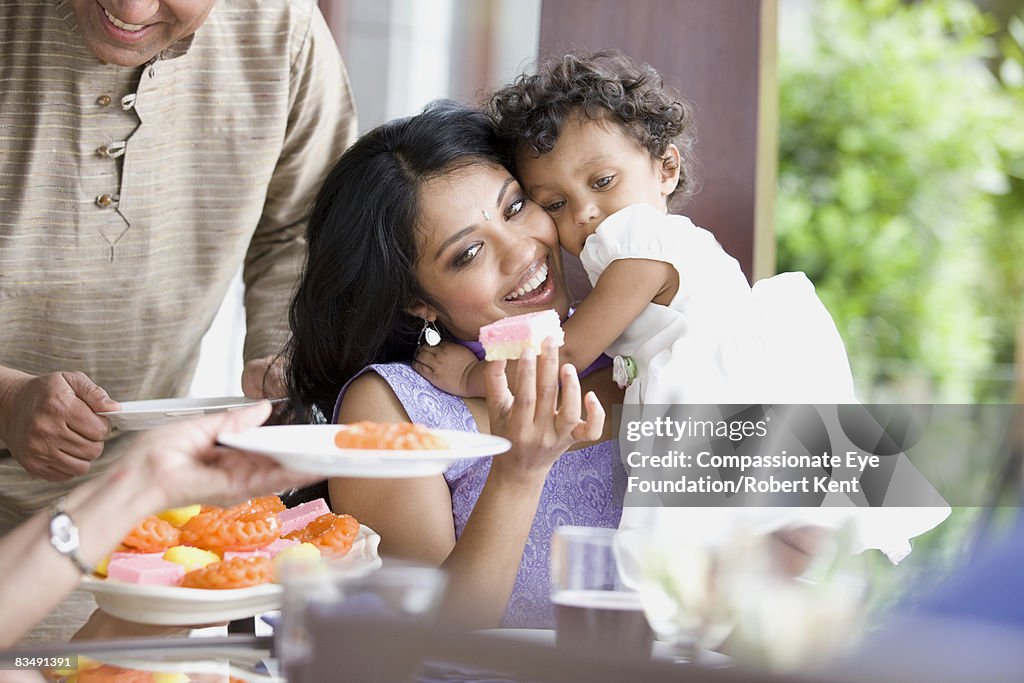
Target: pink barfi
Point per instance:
(507, 339)
(152, 571)
(270, 550)
(135, 556)
(299, 516)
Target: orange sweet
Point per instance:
(267, 505)
(332, 534)
(151, 535)
(396, 436)
(238, 572)
(240, 529)
(107, 673)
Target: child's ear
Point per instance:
(669, 170)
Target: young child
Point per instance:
(604, 147)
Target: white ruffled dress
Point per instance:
(721, 341)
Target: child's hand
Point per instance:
(448, 367)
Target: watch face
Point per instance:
(63, 534)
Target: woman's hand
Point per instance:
(540, 428)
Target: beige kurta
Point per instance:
(130, 196)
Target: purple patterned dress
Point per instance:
(584, 488)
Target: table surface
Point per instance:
(913, 651)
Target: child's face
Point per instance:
(594, 170)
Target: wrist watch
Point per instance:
(64, 537)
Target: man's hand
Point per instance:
(265, 378)
(50, 424)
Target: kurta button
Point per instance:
(105, 200)
(104, 100)
(112, 150)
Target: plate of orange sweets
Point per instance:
(366, 449)
(199, 565)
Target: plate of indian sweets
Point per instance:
(366, 449)
(200, 565)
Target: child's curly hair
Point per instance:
(530, 112)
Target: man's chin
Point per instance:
(128, 58)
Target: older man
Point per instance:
(147, 149)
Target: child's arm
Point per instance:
(620, 295)
(452, 368)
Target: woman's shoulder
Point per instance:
(396, 392)
(370, 397)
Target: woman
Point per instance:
(420, 224)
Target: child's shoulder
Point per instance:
(643, 232)
(642, 216)
(643, 224)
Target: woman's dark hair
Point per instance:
(350, 306)
(605, 85)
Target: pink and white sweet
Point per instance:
(507, 339)
(299, 516)
(144, 568)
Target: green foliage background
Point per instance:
(901, 187)
(901, 195)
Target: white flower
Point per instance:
(623, 371)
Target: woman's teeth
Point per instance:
(533, 283)
(122, 24)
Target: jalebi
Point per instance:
(238, 572)
(151, 535)
(332, 534)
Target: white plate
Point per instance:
(174, 606)
(135, 415)
(310, 448)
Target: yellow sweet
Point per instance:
(190, 558)
(303, 553)
(101, 568)
(167, 677)
(178, 516)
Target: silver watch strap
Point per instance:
(64, 538)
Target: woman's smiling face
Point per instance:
(485, 251)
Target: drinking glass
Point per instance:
(322, 606)
(594, 610)
(699, 589)
(798, 625)
(684, 586)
